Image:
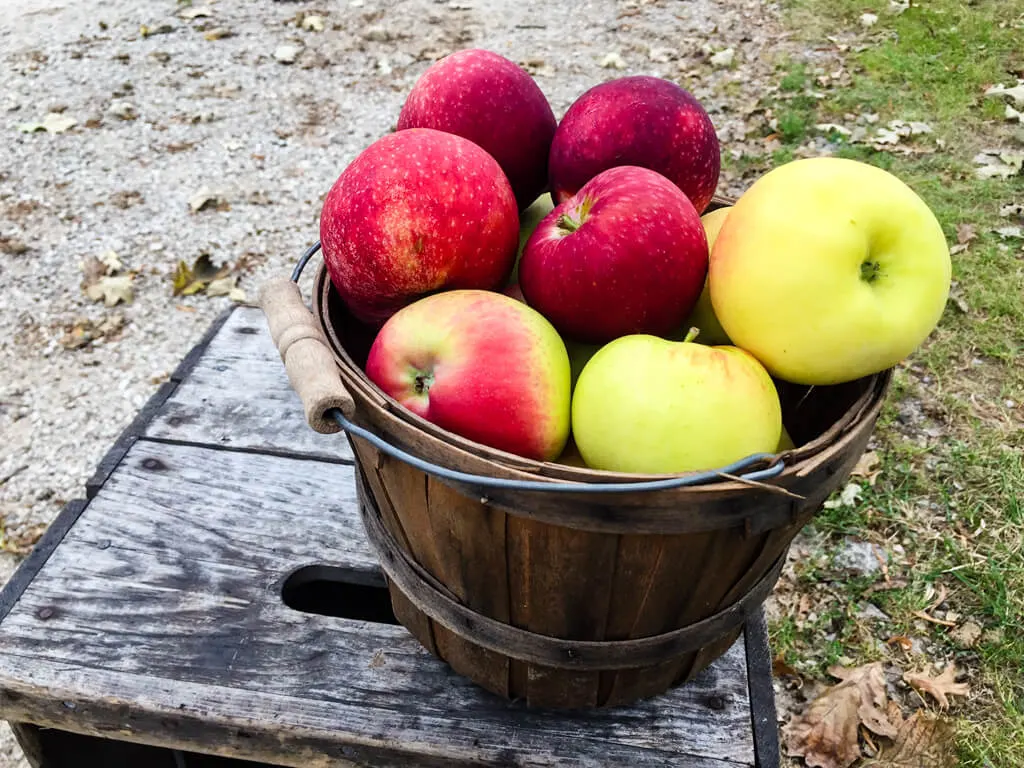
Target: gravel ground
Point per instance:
(166, 106)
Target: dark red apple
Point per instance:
(626, 254)
(644, 121)
(493, 102)
(416, 212)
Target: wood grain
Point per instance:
(151, 601)
(238, 396)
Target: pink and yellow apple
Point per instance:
(417, 211)
(703, 315)
(479, 364)
(626, 254)
(649, 405)
(828, 270)
(493, 102)
(646, 121)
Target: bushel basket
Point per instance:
(563, 586)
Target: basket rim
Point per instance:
(798, 462)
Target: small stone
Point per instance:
(868, 20)
(861, 558)
(122, 109)
(313, 23)
(377, 34)
(871, 611)
(967, 634)
(287, 54)
(723, 59)
(661, 55)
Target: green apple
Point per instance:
(579, 355)
(649, 405)
(528, 221)
(703, 315)
(828, 269)
(785, 441)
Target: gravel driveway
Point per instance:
(246, 110)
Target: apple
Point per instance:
(828, 270)
(640, 120)
(479, 364)
(626, 254)
(492, 101)
(416, 212)
(648, 405)
(579, 356)
(785, 441)
(703, 315)
(528, 221)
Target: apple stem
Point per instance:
(568, 223)
(691, 335)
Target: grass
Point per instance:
(951, 492)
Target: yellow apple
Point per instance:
(827, 270)
(785, 441)
(646, 404)
(703, 314)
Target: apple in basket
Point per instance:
(493, 102)
(479, 364)
(640, 120)
(416, 212)
(703, 315)
(828, 270)
(626, 254)
(650, 405)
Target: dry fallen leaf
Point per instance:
(967, 634)
(965, 233)
(313, 23)
(52, 123)
(848, 497)
(112, 290)
(723, 59)
(1016, 93)
(923, 741)
(218, 33)
(869, 466)
(206, 197)
(825, 735)
(902, 641)
(200, 276)
(194, 13)
(939, 688)
(612, 61)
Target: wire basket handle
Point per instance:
(329, 406)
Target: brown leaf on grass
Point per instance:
(902, 641)
(923, 741)
(939, 688)
(869, 466)
(825, 735)
(965, 233)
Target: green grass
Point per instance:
(955, 504)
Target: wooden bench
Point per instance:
(213, 599)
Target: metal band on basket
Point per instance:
(437, 602)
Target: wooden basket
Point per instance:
(561, 598)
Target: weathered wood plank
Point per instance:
(229, 507)
(237, 395)
(252, 726)
(161, 613)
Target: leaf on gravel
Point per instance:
(923, 741)
(218, 33)
(939, 688)
(825, 735)
(112, 290)
(194, 13)
(52, 123)
(723, 59)
(206, 197)
(1016, 93)
(22, 542)
(111, 261)
(85, 331)
(203, 272)
(287, 54)
(313, 22)
(123, 109)
(869, 467)
(12, 246)
(222, 286)
(612, 61)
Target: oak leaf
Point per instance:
(923, 741)
(825, 735)
(939, 688)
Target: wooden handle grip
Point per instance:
(311, 367)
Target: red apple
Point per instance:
(417, 211)
(479, 364)
(627, 254)
(494, 102)
(642, 120)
